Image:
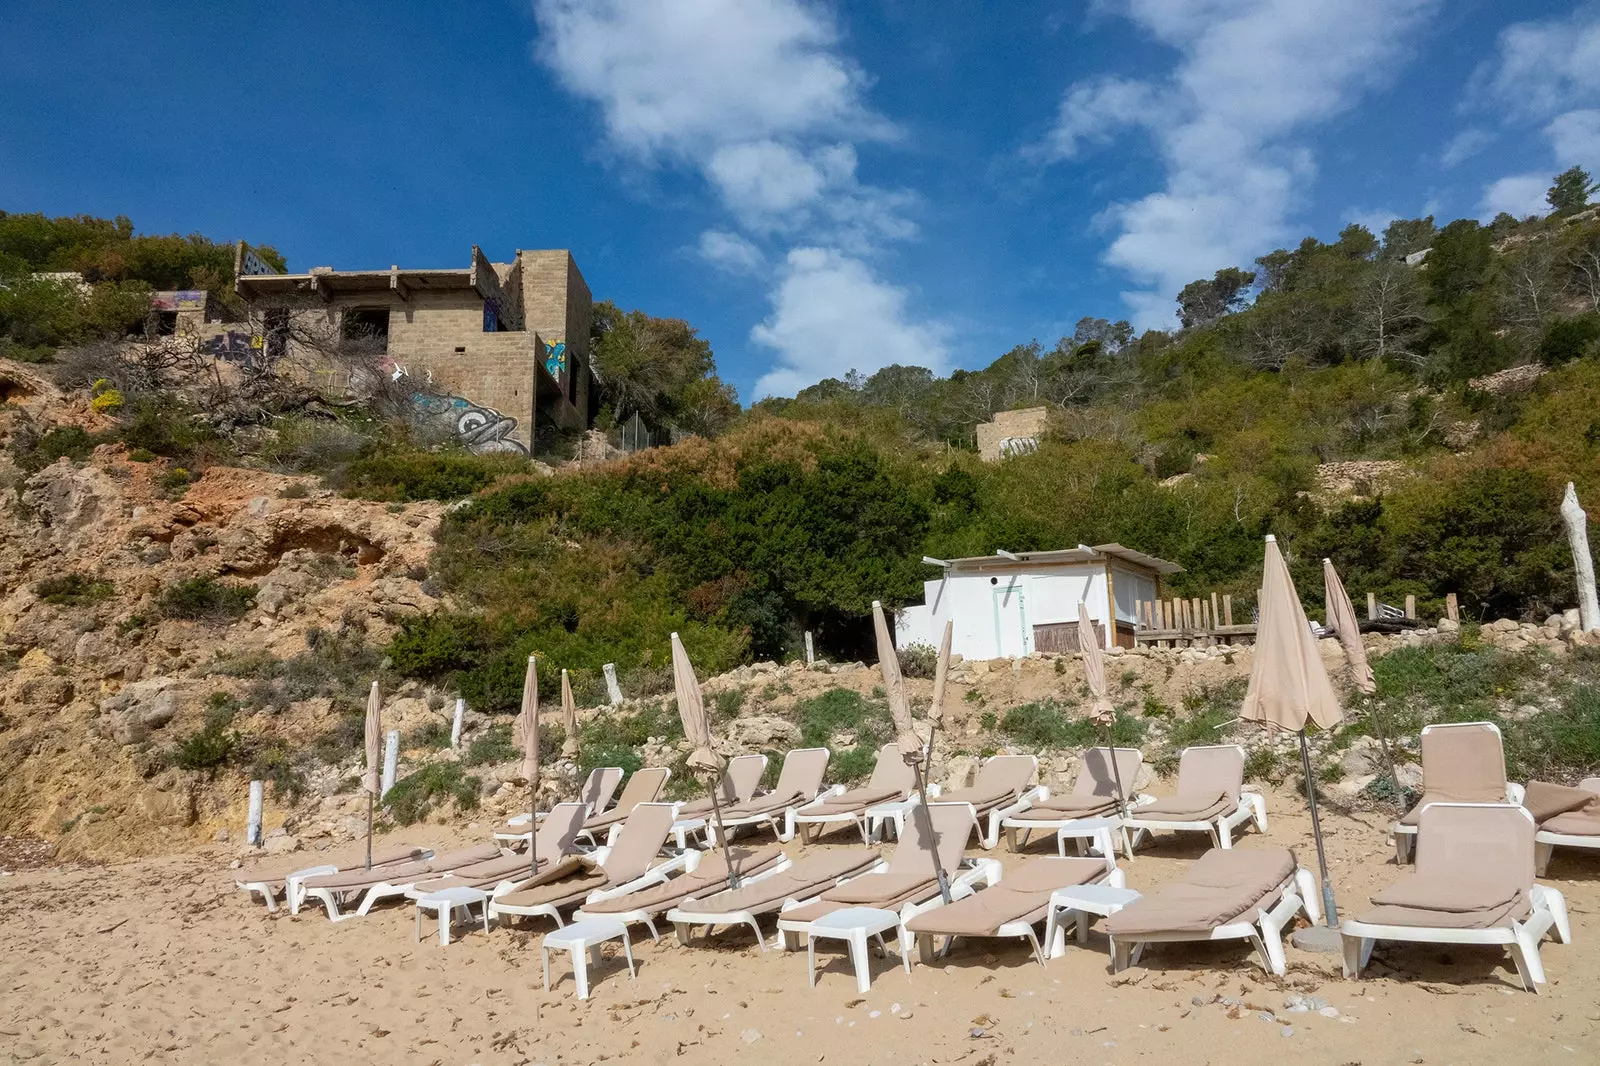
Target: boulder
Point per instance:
(760, 732)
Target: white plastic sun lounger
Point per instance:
(804, 880)
(558, 834)
(644, 786)
(598, 788)
(269, 885)
(892, 781)
(704, 873)
(1563, 830)
(1005, 785)
(1462, 762)
(1473, 885)
(799, 783)
(738, 784)
(628, 865)
(1237, 894)
(1093, 796)
(1211, 798)
(386, 882)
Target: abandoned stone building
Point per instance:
(497, 351)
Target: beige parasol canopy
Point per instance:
(569, 719)
(894, 687)
(1341, 614)
(1094, 669)
(692, 710)
(528, 725)
(373, 738)
(1288, 683)
(941, 675)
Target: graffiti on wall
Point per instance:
(240, 348)
(480, 429)
(555, 361)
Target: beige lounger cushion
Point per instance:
(561, 882)
(886, 891)
(1428, 918)
(857, 800)
(275, 874)
(710, 876)
(349, 880)
(1202, 807)
(1561, 809)
(804, 879)
(1584, 823)
(485, 874)
(1022, 895)
(1460, 764)
(1071, 805)
(1221, 886)
(771, 803)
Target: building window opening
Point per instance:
(370, 324)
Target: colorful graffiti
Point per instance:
(243, 349)
(480, 429)
(555, 360)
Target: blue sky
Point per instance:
(816, 186)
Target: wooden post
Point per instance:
(391, 762)
(613, 690)
(1372, 606)
(1215, 615)
(1227, 609)
(1411, 605)
(1452, 611)
(1577, 523)
(1196, 619)
(811, 650)
(455, 725)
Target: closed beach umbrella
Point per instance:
(697, 730)
(1289, 686)
(1341, 615)
(941, 675)
(894, 686)
(373, 739)
(569, 719)
(528, 736)
(1094, 675)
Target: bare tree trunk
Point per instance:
(1577, 523)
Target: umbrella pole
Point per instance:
(722, 834)
(927, 820)
(369, 830)
(533, 828)
(1116, 771)
(1388, 753)
(1329, 908)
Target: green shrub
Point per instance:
(919, 660)
(207, 749)
(727, 704)
(164, 425)
(74, 590)
(277, 766)
(840, 709)
(493, 745)
(205, 599)
(408, 476)
(1049, 724)
(414, 795)
(433, 735)
(606, 753)
(33, 454)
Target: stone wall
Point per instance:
(1027, 423)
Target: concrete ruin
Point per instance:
(1012, 433)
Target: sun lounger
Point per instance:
(1210, 798)
(558, 836)
(630, 863)
(799, 782)
(892, 781)
(1462, 762)
(1010, 908)
(1093, 795)
(907, 878)
(1236, 894)
(1004, 787)
(739, 784)
(598, 788)
(708, 875)
(382, 883)
(1568, 817)
(746, 905)
(645, 786)
(1473, 884)
(284, 876)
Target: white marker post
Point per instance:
(252, 825)
(455, 726)
(391, 762)
(811, 651)
(613, 689)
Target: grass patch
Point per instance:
(74, 590)
(404, 477)
(434, 736)
(1206, 710)
(340, 667)
(839, 709)
(416, 794)
(493, 745)
(727, 703)
(205, 599)
(1047, 724)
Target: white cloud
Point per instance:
(1464, 145)
(1520, 195)
(831, 314)
(687, 76)
(1575, 138)
(758, 98)
(1546, 72)
(731, 252)
(1251, 75)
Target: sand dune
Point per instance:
(162, 960)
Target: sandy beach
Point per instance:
(163, 960)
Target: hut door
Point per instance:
(1012, 635)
